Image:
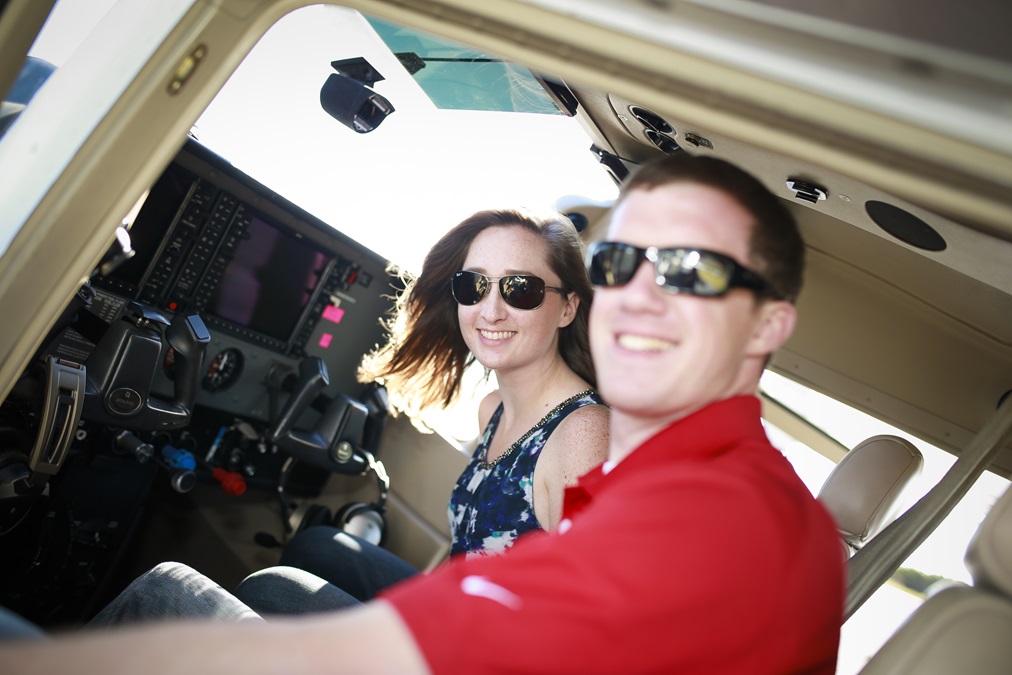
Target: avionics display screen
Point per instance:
(269, 282)
(153, 221)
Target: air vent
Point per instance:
(666, 144)
(656, 129)
(651, 120)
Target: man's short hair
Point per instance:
(776, 250)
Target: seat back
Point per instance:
(863, 490)
(962, 629)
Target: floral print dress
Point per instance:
(493, 503)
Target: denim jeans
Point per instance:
(355, 569)
(322, 569)
(287, 590)
(172, 590)
(168, 591)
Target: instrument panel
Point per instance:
(272, 283)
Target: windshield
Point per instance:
(456, 77)
(398, 188)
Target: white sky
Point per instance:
(420, 172)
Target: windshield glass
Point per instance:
(399, 187)
(456, 77)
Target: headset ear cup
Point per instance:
(362, 520)
(309, 515)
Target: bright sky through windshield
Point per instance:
(421, 171)
(395, 190)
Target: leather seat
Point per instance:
(962, 629)
(864, 489)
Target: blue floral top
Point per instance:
(493, 504)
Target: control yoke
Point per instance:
(331, 444)
(122, 367)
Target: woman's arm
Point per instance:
(577, 445)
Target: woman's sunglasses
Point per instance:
(678, 270)
(522, 291)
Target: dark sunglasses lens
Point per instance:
(613, 264)
(682, 270)
(696, 272)
(522, 292)
(468, 287)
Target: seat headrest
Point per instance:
(989, 554)
(863, 489)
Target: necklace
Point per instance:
(551, 413)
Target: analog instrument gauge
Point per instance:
(224, 370)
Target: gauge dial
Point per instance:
(224, 370)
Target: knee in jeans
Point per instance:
(166, 570)
(314, 537)
(280, 576)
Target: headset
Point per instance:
(367, 521)
(364, 520)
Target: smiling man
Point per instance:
(694, 549)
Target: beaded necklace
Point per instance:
(551, 413)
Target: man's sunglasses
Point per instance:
(678, 270)
(523, 291)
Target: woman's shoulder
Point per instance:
(488, 406)
(578, 444)
(593, 417)
(585, 426)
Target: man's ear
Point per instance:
(569, 310)
(777, 319)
